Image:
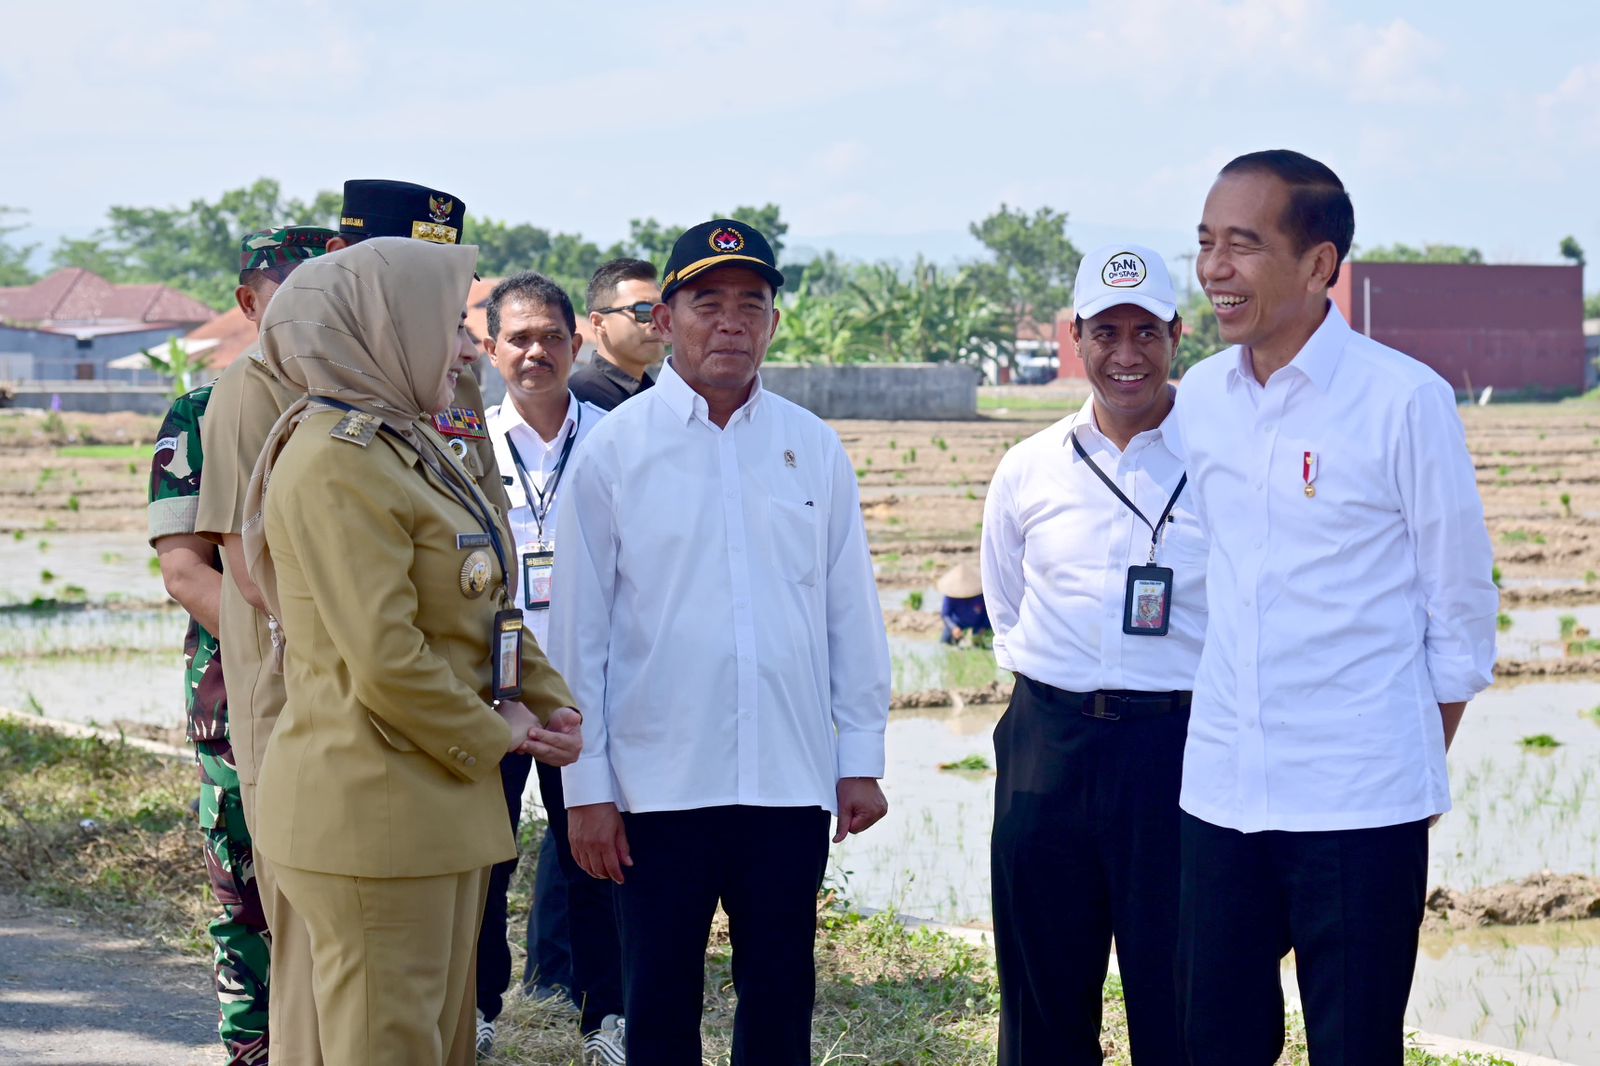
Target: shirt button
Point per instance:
(733, 494)
(471, 761)
(736, 548)
(455, 751)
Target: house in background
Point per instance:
(71, 325)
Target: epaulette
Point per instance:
(460, 422)
(357, 427)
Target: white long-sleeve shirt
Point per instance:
(541, 457)
(717, 617)
(1338, 621)
(1056, 550)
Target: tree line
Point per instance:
(834, 311)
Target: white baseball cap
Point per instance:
(1124, 274)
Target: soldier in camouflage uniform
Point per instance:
(191, 568)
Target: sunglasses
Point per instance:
(641, 311)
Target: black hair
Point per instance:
(1319, 207)
(603, 286)
(276, 274)
(533, 288)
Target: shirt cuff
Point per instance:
(588, 781)
(172, 516)
(1456, 679)
(861, 755)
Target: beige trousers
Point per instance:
(392, 964)
(292, 1011)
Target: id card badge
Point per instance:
(508, 654)
(1147, 607)
(537, 567)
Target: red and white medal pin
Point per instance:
(1308, 470)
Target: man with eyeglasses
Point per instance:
(622, 299)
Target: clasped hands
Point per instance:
(556, 743)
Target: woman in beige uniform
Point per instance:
(379, 801)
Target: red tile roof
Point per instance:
(77, 297)
(233, 333)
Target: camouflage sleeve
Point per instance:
(175, 467)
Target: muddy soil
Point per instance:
(1543, 897)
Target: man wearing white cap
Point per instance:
(1094, 575)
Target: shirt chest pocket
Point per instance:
(792, 529)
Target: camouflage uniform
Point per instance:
(240, 930)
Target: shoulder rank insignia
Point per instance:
(460, 422)
(357, 427)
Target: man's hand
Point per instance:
(861, 804)
(560, 741)
(599, 842)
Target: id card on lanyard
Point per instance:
(1147, 598)
(538, 560)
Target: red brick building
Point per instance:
(1518, 328)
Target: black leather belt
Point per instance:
(1117, 704)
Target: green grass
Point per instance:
(1503, 621)
(104, 451)
(1028, 403)
(973, 764)
(1539, 742)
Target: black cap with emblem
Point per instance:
(719, 243)
(374, 207)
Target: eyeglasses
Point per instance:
(641, 311)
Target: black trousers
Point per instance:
(1085, 848)
(494, 950)
(1349, 902)
(765, 865)
(594, 939)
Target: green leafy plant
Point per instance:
(1539, 742)
(914, 600)
(975, 764)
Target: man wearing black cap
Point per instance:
(245, 402)
(720, 627)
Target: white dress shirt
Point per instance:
(1339, 621)
(541, 457)
(1056, 550)
(717, 620)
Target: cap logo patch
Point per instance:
(439, 208)
(1123, 271)
(353, 223)
(726, 241)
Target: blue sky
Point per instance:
(881, 126)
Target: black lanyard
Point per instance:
(471, 500)
(1155, 530)
(546, 498)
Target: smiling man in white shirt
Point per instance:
(1094, 576)
(1352, 616)
(718, 616)
(536, 432)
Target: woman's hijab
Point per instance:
(372, 327)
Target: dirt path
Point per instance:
(84, 996)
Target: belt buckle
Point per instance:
(1096, 708)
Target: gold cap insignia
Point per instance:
(725, 240)
(439, 208)
(357, 427)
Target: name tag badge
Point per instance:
(471, 540)
(537, 566)
(1147, 607)
(508, 655)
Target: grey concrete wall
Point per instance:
(94, 397)
(907, 391)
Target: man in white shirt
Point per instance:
(718, 617)
(536, 432)
(1352, 616)
(1094, 576)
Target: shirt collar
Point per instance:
(623, 380)
(505, 418)
(688, 404)
(1317, 359)
(1083, 420)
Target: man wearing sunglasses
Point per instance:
(622, 298)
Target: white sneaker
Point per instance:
(608, 1045)
(485, 1036)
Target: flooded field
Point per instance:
(1525, 768)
